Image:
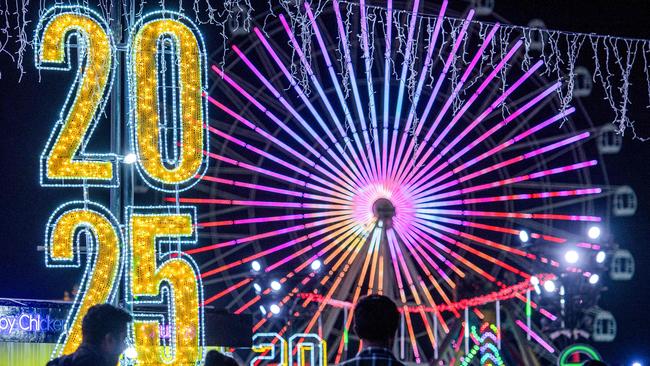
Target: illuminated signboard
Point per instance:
(301, 349)
(134, 259)
(30, 324)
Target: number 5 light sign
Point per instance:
(128, 254)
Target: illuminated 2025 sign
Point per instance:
(133, 257)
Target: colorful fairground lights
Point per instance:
(359, 159)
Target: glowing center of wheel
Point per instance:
(383, 209)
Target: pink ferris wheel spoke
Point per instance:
(295, 114)
(507, 143)
(402, 85)
(355, 92)
(419, 193)
(371, 89)
(418, 254)
(274, 249)
(434, 94)
(313, 111)
(339, 93)
(410, 178)
(412, 287)
(512, 197)
(509, 181)
(437, 230)
(457, 89)
(344, 186)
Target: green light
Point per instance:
(577, 348)
(345, 336)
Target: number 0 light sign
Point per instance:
(128, 254)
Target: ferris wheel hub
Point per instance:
(384, 210)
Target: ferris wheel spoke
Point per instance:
(554, 205)
(338, 236)
(414, 176)
(303, 123)
(313, 111)
(558, 154)
(275, 248)
(434, 94)
(416, 98)
(332, 73)
(507, 215)
(420, 191)
(424, 240)
(386, 93)
(343, 187)
(509, 181)
(409, 270)
(528, 144)
(402, 84)
(503, 146)
(361, 279)
(397, 259)
(453, 96)
(412, 242)
(337, 281)
(476, 238)
(281, 177)
(331, 195)
(412, 249)
(440, 228)
(351, 243)
(348, 185)
(371, 90)
(258, 151)
(255, 220)
(512, 197)
(324, 99)
(417, 180)
(227, 291)
(426, 229)
(271, 204)
(272, 233)
(489, 243)
(260, 187)
(355, 92)
(346, 244)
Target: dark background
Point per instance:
(28, 109)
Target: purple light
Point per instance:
(535, 336)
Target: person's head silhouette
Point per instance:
(104, 327)
(214, 358)
(376, 319)
(104, 330)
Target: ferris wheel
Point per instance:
(351, 155)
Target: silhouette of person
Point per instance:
(104, 331)
(375, 321)
(214, 358)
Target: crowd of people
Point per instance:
(375, 322)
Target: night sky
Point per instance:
(29, 108)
